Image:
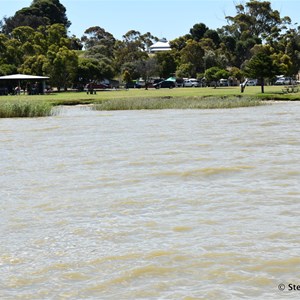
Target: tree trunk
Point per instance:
(262, 85)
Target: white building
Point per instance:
(161, 45)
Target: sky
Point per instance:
(168, 19)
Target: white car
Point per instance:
(284, 81)
(191, 83)
(223, 82)
(252, 82)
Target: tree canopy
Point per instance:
(39, 13)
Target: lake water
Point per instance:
(170, 204)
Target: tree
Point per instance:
(97, 36)
(62, 67)
(91, 69)
(179, 43)
(126, 77)
(35, 65)
(212, 35)
(193, 53)
(166, 63)
(255, 23)
(185, 70)
(147, 68)
(197, 31)
(214, 74)
(131, 68)
(130, 50)
(39, 13)
(288, 50)
(256, 19)
(235, 74)
(261, 66)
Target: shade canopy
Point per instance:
(23, 77)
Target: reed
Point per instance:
(176, 103)
(23, 109)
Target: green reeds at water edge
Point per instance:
(177, 103)
(23, 109)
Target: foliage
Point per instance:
(261, 66)
(166, 63)
(147, 68)
(197, 31)
(212, 74)
(176, 103)
(22, 109)
(39, 13)
(97, 40)
(127, 77)
(193, 54)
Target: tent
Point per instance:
(23, 77)
(171, 79)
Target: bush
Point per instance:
(176, 103)
(22, 109)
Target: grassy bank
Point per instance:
(23, 109)
(145, 99)
(176, 103)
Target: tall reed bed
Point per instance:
(177, 103)
(24, 109)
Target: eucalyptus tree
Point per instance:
(288, 49)
(254, 23)
(130, 49)
(185, 70)
(98, 55)
(136, 40)
(39, 13)
(193, 53)
(147, 68)
(97, 36)
(7, 63)
(44, 51)
(198, 31)
(92, 69)
(255, 18)
(62, 67)
(179, 43)
(213, 35)
(166, 62)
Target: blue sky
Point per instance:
(163, 18)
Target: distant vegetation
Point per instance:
(255, 42)
(176, 103)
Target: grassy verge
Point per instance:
(148, 99)
(176, 103)
(22, 109)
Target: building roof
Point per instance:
(23, 77)
(160, 46)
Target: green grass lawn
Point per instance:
(271, 92)
(221, 97)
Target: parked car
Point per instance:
(284, 81)
(252, 82)
(192, 82)
(223, 82)
(164, 84)
(95, 86)
(133, 84)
